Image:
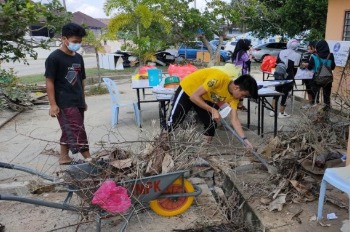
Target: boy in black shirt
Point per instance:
(65, 72)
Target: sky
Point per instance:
(94, 8)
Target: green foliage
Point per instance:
(11, 93)
(15, 18)
(289, 18)
(143, 21)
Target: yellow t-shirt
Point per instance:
(214, 81)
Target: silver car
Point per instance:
(268, 49)
(271, 49)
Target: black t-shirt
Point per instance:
(68, 73)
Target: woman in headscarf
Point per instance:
(240, 58)
(322, 52)
(292, 60)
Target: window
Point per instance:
(346, 36)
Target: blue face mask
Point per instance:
(74, 46)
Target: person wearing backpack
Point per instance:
(287, 61)
(323, 57)
(240, 57)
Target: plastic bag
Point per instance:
(181, 70)
(143, 72)
(268, 63)
(112, 198)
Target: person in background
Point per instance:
(204, 90)
(65, 74)
(322, 52)
(308, 83)
(240, 57)
(292, 60)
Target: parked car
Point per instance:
(230, 47)
(189, 50)
(272, 49)
(166, 56)
(216, 43)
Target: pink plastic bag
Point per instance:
(112, 198)
(181, 71)
(143, 69)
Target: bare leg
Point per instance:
(86, 154)
(207, 140)
(273, 104)
(309, 96)
(64, 156)
(282, 108)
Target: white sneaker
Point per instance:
(272, 114)
(283, 115)
(305, 107)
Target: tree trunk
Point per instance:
(98, 67)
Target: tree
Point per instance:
(95, 42)
(143, 19)
(287, 18)
(16, 19)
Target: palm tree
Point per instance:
(137, 17)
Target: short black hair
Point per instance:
(312, 44)
(247, 83)
(73, 29)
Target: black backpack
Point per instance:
(324, 74)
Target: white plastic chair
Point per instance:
(339, 178)
(116, 103)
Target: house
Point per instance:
(338, 20)
(93, 24)
(337, 35)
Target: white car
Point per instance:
(230, 46)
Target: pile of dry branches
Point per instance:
(301, 156)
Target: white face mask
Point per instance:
(74, 46)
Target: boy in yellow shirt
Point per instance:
(205, 90)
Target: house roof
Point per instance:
(81, 18)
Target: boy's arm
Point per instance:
(238, 127)
(197, 99)
(50, 89)
(83, 85)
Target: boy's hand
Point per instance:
(86, 107)
(215, 115)
(54, 111)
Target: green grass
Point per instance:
(32, 79)
(90, 73)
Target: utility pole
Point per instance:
(64, 4)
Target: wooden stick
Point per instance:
(348, 151)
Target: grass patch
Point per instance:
(90, 73)
(96, 90)
(32, 79)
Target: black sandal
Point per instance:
(74, 162)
